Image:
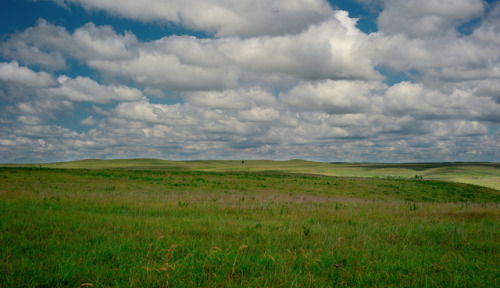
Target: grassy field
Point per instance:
(483, 174)
(178, 226)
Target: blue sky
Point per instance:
(365, 80)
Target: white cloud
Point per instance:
(224, 18)
(334, 97)
(92, 42)
(400, 53)
(43, 108)
(14, 75)
(174, 63)
(412, 99)
(32, 55)
(46, 45)
(190, 50)
(36, 46)
(334, 49)
(155, 92)
(486, 88)
(448, 58)
(84, 89)
(232, 99)
(144, 111)
(89, 121)
(449, 129)
(258, 114)
(281, 79)
(168, 63)
(487, 33)
(418, 18)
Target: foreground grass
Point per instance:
(177, 228)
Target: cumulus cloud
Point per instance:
(102, 42)
(407, 98)
(41, 45)
(13, 74)
(143, 111)
(258, 114)
(89, 121)
(280, 79)
(449, 58)
(32, 55)
(175, 63)
(47, 45)
(232, 99)
(488, 31)
(223, 119)
(84, 89)
(417, 18)
(36, 46)
(485, 88)
(447, 129)
(334, 49)
(37, 143)
(155, 92)
(43, 108)
(334, 97)
(223, 18)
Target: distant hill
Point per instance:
(483, 174)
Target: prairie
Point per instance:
(483, 174)
(144, 223)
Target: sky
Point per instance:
(331, 81)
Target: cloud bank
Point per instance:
(272, 79)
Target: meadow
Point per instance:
(482, 174)
(145, 225)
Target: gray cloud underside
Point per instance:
(332, 104)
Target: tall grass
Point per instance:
(100, 228)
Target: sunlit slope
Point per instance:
(118, 164)
(483, 174)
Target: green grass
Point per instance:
(183, 228)
(482, 174)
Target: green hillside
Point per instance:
(482, 174)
